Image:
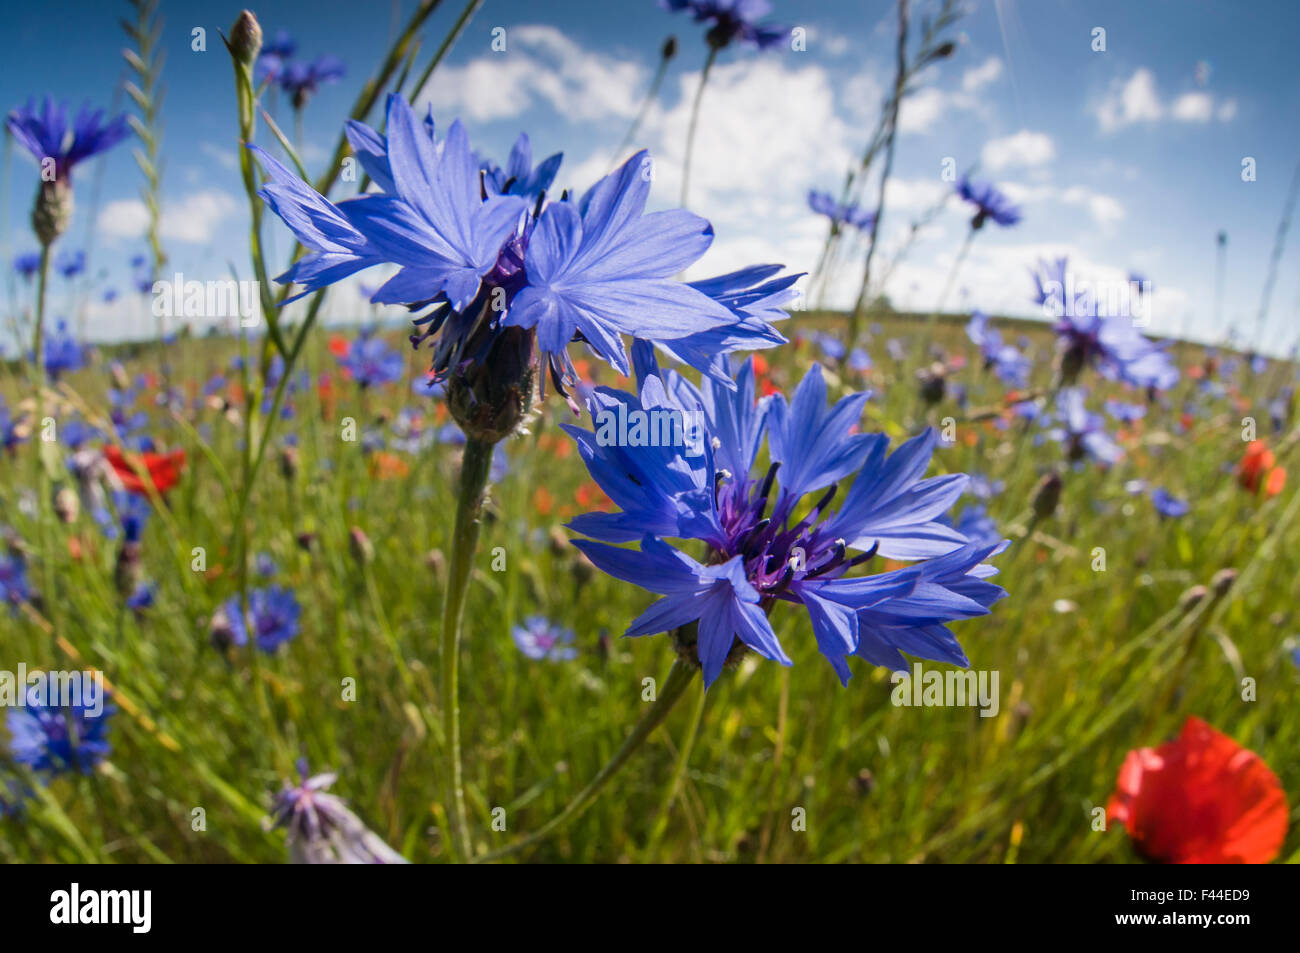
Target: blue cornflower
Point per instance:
(733, 21)
(976, 525)
(142, 598)
(764, 544)
(588, 270)
(45, 133)
(1086, 336)
(321, 829)
(70, 263)
(265, 565)
(62, 352)
(1010, 365)
(301, 80)
(274, 612)
(141, 274)
(840, 213)
(1125, 413)
(275, 53)
(539, 638)
(14, 587)
(371, 361)
(1167, 504)
(27, 264)
(519, 177)
(859, 360)
(1082, 431)
(53, 740)
(11, 435)
(989, 203)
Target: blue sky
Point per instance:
(1125, 159)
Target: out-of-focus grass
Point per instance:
(1087, 659)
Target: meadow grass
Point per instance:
(1091, 663)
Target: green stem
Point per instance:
(679, 677)
(476, 463)
(695, 119)
(38, 433)
(679, 772)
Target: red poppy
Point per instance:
(164, 469)
(1200, 799)
(339, 346)
(1258, 466)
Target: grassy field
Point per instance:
(1092, 662)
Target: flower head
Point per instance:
(273, 618)
(1258, 468)
(839, 213)
(321, 829)
(63, 353)
(1082, 431)
(46, 133)
(732, 21)
(768, 539)
(163, 470)
(370, 361)
(501, 277)
(519, 177)
(27, 264)
(989, 203)
(1200, 799)
(1167, 504)
(53, 740)
(539, 638)
(14, 587)
(302, 80)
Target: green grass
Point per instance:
(1091, 663)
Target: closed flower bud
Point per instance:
(1222, 581)
(220, 633)
(289, 462)
(670, 48)
(1192, 597)
(1047, 495)
(306, 540)
(246, 38)
(360, 546)
(67, 505)
(126, 571)
(436, 561)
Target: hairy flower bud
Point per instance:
(52, 213)
(491, 399)
(246, 38)
(67, 505)
(669, 48)
(1047, 495)
(1222, 581)
(363, 551)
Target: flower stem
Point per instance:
(679, 677)
(695, 119)
(43, 514)
(679, 772)
(474, 468)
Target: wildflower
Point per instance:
(1167, 504)
(302, 80)
(1088, 337)
(53, 740)
(733, 21)
(504, 278)
(840, 213)
(142, 598)
(370, 361)
(1125, 413)
(162, 469)
(756, 557)
(274, 616)
(1082, 432)
(27, 264)
(1007, 362)
(519, 177)
(14, 588)
(539, 638)
(321, 829)
(59, 147)
(1200, 799)
(273, 55)
(62, 352)
(70, 263)
(989, 203)
(1257, 469)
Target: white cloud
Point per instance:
(540, 65)
(192, 220)
(1193, 107)
(1104, 209)
(977, 77)
(1137, 100)
(922, 109)
(1025, 148)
